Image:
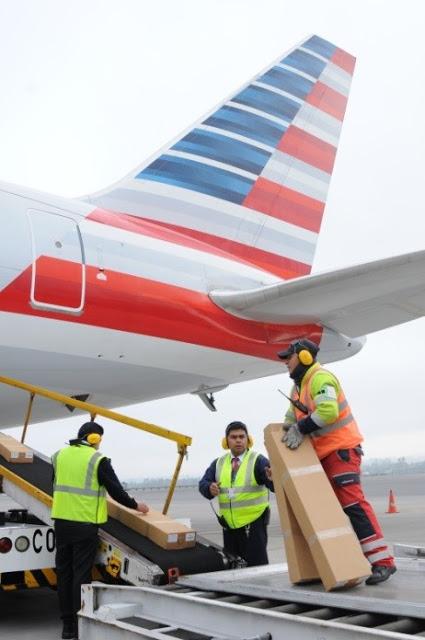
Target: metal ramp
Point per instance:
(403, 594)
(250, 603)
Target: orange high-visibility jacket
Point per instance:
(321, 393)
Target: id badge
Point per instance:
(231, 493)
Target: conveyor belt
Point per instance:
(200, 557)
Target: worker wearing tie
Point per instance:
(241, 479)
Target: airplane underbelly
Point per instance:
(116, 368)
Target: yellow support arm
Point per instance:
(101, 411)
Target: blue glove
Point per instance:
(292, 436)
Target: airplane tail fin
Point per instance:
(251, 178)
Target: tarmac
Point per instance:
(33, 614)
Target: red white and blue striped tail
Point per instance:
(251, 178)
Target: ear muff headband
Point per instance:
(305, 357)
(225, 445)
(94, 438)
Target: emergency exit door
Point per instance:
(58, 281)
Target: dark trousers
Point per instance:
(250, 542)
(76, 546)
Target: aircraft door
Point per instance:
(58, 281)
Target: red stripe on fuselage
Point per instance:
(62, 289)
(344, 60)
(270, 262)
(136, 305)
(308, 148)
(285, 204)
(328, 100)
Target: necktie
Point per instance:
(235, 466)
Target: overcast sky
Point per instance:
(91, 88)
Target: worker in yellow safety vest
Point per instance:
(319, 409)
(82, 477)
(241, 480)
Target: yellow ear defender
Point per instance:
(94, 438)
(226, 446)
(305, 357)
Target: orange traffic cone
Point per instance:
(392, 508)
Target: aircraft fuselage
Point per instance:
(104, 303)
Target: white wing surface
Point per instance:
(354, 301)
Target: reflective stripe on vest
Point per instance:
(77, 494)
(341, 434)
(242, 500)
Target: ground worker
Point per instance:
(241, 479)
(318, 408)
(82, 475)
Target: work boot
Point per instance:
(70, 629)
(380, 573)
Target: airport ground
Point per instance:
(33, 615)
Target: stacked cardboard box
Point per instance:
(317, 521)
(164, 531)
(14, 451)
(301, 566)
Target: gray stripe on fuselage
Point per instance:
(218, 223)
(178, 270)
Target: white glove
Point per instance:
(292, 436)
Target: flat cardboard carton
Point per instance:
(301, 565)
(164, 531)
(14, 451)
(171, 535)
(333, 544)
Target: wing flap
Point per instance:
(353, 301)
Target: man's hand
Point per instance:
(268, 472)
(142, 507)
(292, 436)
(214, 488)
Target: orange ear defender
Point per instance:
(94, 438)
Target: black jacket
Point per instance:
(107, 477)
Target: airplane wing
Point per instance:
(354, 301)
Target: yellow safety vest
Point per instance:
(77, 494)
(242, 500)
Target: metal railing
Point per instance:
(182, 441)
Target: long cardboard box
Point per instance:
(14, 451)
(333, 544)
(161, 529)
(301, 565)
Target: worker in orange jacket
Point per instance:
(319, 409)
